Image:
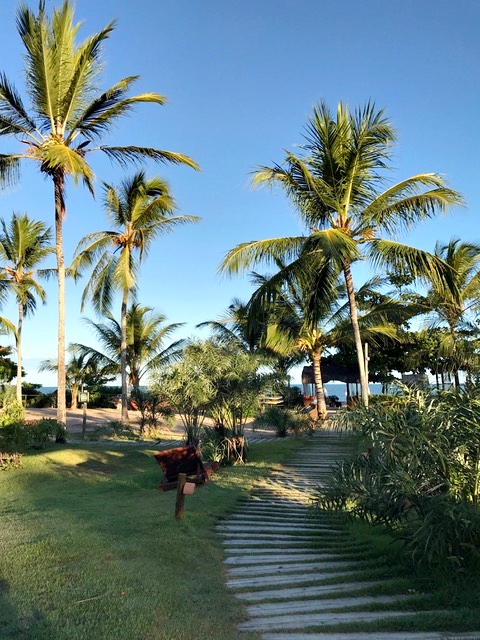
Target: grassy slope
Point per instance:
(90, 549)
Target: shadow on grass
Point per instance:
(13, 626)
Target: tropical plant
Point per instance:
(146, 350)
(24, 244)
(456, 312)
(153, 409)
(335, 186)
(221, 382)
(82, 370)
(140, 210)
(235, 329)
(420, 459)
(188, 386)
(68, 113)
(283, 421)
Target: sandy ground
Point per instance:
(98, 417)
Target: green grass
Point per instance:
(89, 549)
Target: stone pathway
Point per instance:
(302, 579)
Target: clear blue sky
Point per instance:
(241, 78)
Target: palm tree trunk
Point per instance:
(356, 331)
(123, 356)
(60, 210)
(317, 376)
(19, 352)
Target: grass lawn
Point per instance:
(89, 549)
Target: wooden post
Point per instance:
(180, 502)
(84, 421)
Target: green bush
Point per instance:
(12, 410)
(113, 430)
(18, 436)
(418, 471)
(10, 460)
(283, 421)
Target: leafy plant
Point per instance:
(10, 460)
(153, 410)
(284, 421)
(113, 430)
(12, 410)
(419, 472)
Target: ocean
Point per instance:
(340, 389)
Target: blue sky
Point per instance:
(241, 78)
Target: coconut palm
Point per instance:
(24, 244)
(146, 350)
(139, 210)
(456, 312)
(81, 370)
(68, 114)
(336, 186)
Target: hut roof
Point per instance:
(342, 373)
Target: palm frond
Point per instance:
(421, 265)
(124, 155)
(246, 255)
(102, 112)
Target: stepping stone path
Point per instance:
(302, 579)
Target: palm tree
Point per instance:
(146, 351)
(24, 244)
(68, 113)
(140, 210)
(81, 370)
(335, 186)
(455, 311)
(299, 302)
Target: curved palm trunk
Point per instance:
(18, 341)
(317, 376)
(352, 303)
(123, 356)
(60, 210)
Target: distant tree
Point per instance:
(146, 337)
(456, 312)
(82, 370)
(24, 244)
(140, 210)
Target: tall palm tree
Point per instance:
(456, 312)
(68, 114)
(336, 186)
(24, 244)
(146, 350)
(140, 210)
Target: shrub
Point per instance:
(213, 445)
(24, 434)
(43, 431)
(113, 430)
(10, 460)
(283, 421)
(12, 410)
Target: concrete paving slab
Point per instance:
(302, 606)
(376, 635)
(306, 591)
(287, 557)
(289, 567)
(302, 621)
(281, 580)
